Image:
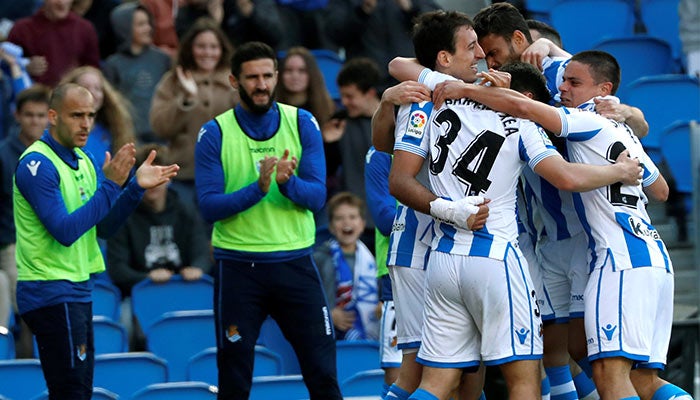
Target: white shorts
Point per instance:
(544, 304)
(564, 266)
(390, 354)
(629, 314)
(409, 241)
(408, 286)
(477, 309)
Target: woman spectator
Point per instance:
(196, 90)
(113, 126)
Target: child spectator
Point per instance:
(348, 271)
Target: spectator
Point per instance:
(348, 140)
(164, 35)
(32, 118)
(138, 66)
(97, 12)
(161, 238)
(56, 40)
(348, 271)
(113, 125)
(194, 91)
(689, 12)
(253, 20)
(192, 10)
(13, 79)
(377, 29)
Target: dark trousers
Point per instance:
(290, 292)
(66, 348)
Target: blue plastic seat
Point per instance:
(110, 336)
(202, 366)
(353, 356)
(126, 373)
(628, 51)
(7, 344)
(288, 387)
(539, 9)
(330, 63)
(177, 391)
(149, 300)
(675, 148)
(179, 335)
(364, 383)
(271, 337)
(21, 379)
(664, 99)
(97, 394)
(583, 23)
(106, 300)
(661, 20)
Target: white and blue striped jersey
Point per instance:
(411, 233)
(476, 151)
(553, 71)
(614, 216)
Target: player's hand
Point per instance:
(37, 66)
(368, 6)
(535, 53)
(267, 166)
(187, 82)
(343, 320)
(611, 109)
(448, 90)
(285, 168)
(477, 220)
(631, 169)
(160, 275)
(495, 78)
(333, 130)
(191, 273)
(117, 169)
(406, 92)
(149, 176)
(245, 7)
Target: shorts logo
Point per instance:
(522, 334)
(609, 330)
(232, 334)
(326, 320)
(416, 123)
(394, 341)
(81, 352)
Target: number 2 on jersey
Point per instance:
(473, 166)
(615, 194)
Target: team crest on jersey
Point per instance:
(81, 352)
(232, 334)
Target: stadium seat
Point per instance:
(177, 391)
(272, 338)
(364, 383)
(353, 356)
(7, 344)
(661, 20)
(664, 99)
(202, 366)
(583, 23)
(110, 336)
(97, 394)
(539, 9)
(106, 300)
(288, 387)
(675, 149)
(329, 62)
(21, 379)
(149, 300)
(126, 373)
(179, 335)
(628, 51)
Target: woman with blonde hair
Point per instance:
(113, 126)
(194, 91)
(302, 84)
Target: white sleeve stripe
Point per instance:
(534, 161)
(651, 178)
(411, 149)
(564, 122)
(423, 74)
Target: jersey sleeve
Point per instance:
(411, 128)
(535, 145)
(579, 126)
(431, 78)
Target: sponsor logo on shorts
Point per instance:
(609, 331)
(232, 334)
(522, 334)
(576, 297)
(398, 227)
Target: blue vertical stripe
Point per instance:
(597, 310)
(619, 310)
(70, 336)
(407, 242)
(581, 212)
(529, 298)
(636, 246)
(510, 307)
(552, 203)
(447, 241)
(665, 256)
(481, 243)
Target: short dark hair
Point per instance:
(251, 51)
(526, 78)
(360, 71)
(36, 93)
(545, 30)
(345, 198)
(603, 67)
(500, 19)
(434, 32)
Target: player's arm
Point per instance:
(381, 204)
(501, 99)
(658, 190)
(405, 69)
(575, 177)
(383, 119)
(540, 49)
(632, 116)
